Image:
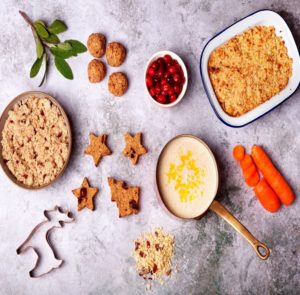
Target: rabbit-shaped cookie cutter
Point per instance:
(55, 218)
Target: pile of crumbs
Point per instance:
(153, 253)
(35, 141)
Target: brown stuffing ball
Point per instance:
(96, 44)
(117, 84)
(96, 71)
(115, 54)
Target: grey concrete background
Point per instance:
(211, 257)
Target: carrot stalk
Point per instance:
(239, 152)
(267, 196)
(272, 175)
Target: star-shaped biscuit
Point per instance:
(97, 148)
(134, 148)
(85, 195)
(126, 197)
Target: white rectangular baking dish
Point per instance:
(265, 18)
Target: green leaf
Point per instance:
(40, 22)
(57, 27)
(46, 69)
(41, 30)
(58, 52)
(65, 46)
(39, 45)
(39, 48)
(77, 46)
(52, 39)
(63, 67)
(36, 67)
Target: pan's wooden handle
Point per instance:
(261, 249)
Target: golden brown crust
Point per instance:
(115, 54)
(117, 84)
(249, 69)
(85, 195)
(96, 44)
(96, 71)
(126, 197)
(134, 148)
(97, 148)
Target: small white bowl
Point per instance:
(181, 63)
(259, 18)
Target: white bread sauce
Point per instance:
(187, 176)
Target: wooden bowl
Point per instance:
(4, 116)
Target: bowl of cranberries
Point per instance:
(166, 78)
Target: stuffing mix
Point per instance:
(35, 141)
(153, 253)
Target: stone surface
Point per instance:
(211, 257)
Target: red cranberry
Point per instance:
(151, 71)
(173, 97)
(160, 73)
(166, 87)
(161, 99)
(154, 65)
(176, 78)
(171, 91)
(170, 63)
(165, 93)
(152, 91)
(177, 89)
(167, 58)
(155, 80)
(178, 68)
(166, 75)
(162, 67)
(163, 82)
(148, 81)
(170, 80)
(172, 70)
(160, 61)
(157, 89)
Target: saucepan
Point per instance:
(188, 189)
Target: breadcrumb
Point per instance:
(153, 253)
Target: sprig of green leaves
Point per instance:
(47, 41)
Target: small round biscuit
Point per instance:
(115, 54)
(117, 84)
(96, 71)
(96, 44)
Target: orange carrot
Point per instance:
(246, 162)
(251, 175)
(239, 152)
(272, 175)
(267, 196)
(248, 172)
(248, 166)
(253, 180)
